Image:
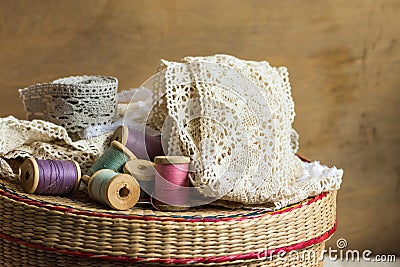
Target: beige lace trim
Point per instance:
(44, 140)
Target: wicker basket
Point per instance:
(61, 231)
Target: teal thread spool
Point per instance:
(116, 190)
(113, 158)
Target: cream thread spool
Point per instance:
(118, 191)
(144, 172)
(33, 182)
(113, 158)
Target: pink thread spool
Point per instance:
(142, 145)
(171, 190)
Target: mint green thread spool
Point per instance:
(113, 158)
(116, 190)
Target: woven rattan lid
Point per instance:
(75, 225)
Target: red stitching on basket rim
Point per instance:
(155, 218)
(216, 259)
(238, 217)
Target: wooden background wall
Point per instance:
(343, 57)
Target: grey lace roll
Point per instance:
(75, 102)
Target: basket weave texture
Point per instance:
(74, 231)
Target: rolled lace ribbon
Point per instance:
(73, 102)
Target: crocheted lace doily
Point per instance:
(234, 119)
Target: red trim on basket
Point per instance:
(240, 217)
(216, 259)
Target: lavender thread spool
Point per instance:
(118, 191)
(144, 172)
(171, 190)
(142, 145)
(50, 177)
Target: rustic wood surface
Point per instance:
(343, 57)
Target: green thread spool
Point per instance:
(118, 191)
(113, 158)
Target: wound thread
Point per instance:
(113, 158)
(50, 177)
(118, 191)
(171, 189)
(143, 146)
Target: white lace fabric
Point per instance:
(133, 108)
(44, 140)
(234, 119)
(75, 102)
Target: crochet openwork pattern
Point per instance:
(73, 102)
(234, 119)
(43, 140)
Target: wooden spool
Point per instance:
(142, 145)
(122, 191)
(121, 135)
(170, 160)
(144, 172)
(117, 145)
(29, 175)
(121, 147)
